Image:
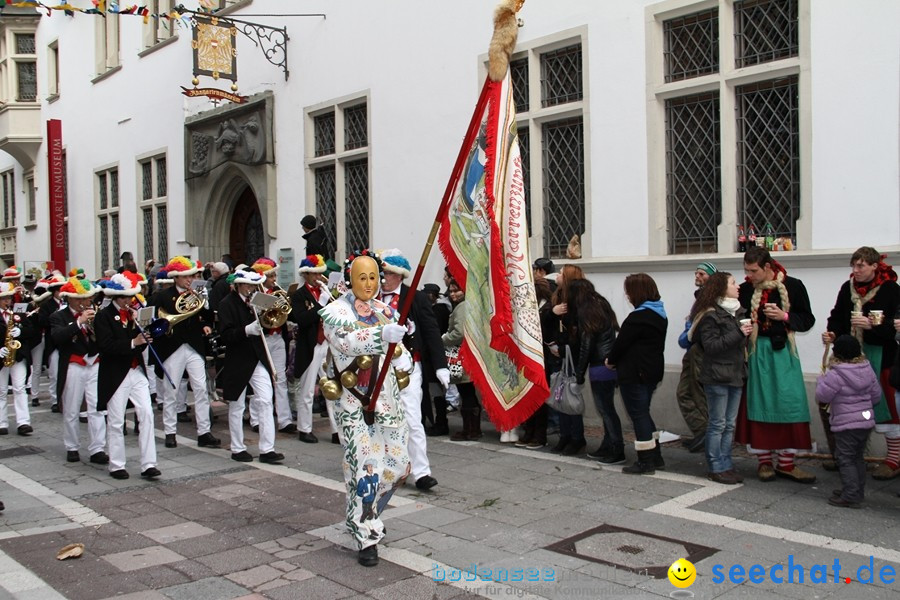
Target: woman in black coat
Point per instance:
(637, 356)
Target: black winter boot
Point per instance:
(658, 461)
(643, 465)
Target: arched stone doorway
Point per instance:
(246, 239)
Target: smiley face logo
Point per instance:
(682, 573)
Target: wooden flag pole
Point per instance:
(468, 140)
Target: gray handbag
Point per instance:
(566, 393)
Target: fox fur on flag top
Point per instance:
(484, 239)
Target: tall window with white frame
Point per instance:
(106, 44)
(339, 143)
(7, 183)
(107, 185)
(30, 199)
(53, 69)
(18, 67)
(548, 89)
(762, 85)
(158, 30)
(153, 208)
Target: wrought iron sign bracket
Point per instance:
(272, 41)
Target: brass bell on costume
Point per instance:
(398, 351)
(349, 379)
(364, 362)
(402, 379)
(330, 389)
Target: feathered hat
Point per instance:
(76, 272)
(263, 265)
(125, 283)
(7, 288)
(182, 265)
(13, 273)
(395, 262)
(250, 277)
(52, 282)
(78, 288)
(314, 263)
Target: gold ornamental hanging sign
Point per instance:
(215, 49)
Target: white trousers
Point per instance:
(411, 396)
(186, 359)
(52, 372)
(308, 388)
(282, 405)
(34, 378)
(81, 382)
(151, 364)
(261, 383)
(17, 374)
(135, 388)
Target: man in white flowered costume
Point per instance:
(358, 325)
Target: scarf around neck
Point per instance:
(654, 305)
(731, 305)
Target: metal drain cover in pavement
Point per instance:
(631, 550)
(19, 451)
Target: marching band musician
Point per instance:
(73, 335)
(123, 375)
(18, 371)
(246, 363)
(184, 349)
(359, 329)
(52, 283)
(311, 347)
(277, 341)
(39, 294)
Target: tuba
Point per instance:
(11, 343)
(188, 304)
(277, 315)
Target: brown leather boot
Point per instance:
(475, 427)
(463, 435)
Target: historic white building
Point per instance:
(652, 130)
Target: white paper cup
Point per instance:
(746, 322)
(876, 316)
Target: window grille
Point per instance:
(162, 187)
(326, 204)
(147, 180)
(113, 189)
(104, 201)
(27, 74)
(518, 72)
(765, 30)
(114, 221)
(768, 155)
(253, 236)
(357, 189)
(148, 233)
(693, 173)
(691, 45)
(526, 173)
(32, 200)
(561, 76)
(356, 123)
(162, 229)
(323, 136)
(104, 243)
(9, 204)
(25, 43)
(563, 170)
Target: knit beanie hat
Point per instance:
(846, 348)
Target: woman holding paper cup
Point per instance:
(719, 328)
(864, 307)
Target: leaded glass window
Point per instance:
(114, 234)
(147, 180)
(356, 174)
(104, 196)
(691, 45)
(323, 136)
(104, 243)
(563, 171)
(114, 189)
(518, 72)
(768, 155)
(526, 171)
(27, 74)
(162, 187)
(9, 203)
(693, 173)
(561, 79)
(326, 204)
(24, 43)
(765, 30)
(147, 214)
(162, 233)
(356, 123)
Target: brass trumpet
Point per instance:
(188, 304)
(277, 315)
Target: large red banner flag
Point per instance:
(484, 239)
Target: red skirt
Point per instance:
(770, 436)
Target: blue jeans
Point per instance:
(604, 393)
(636, 397)
(723, 402)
